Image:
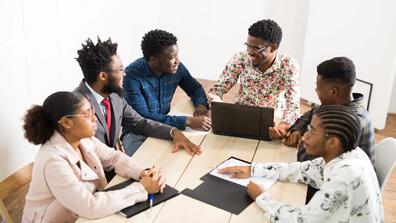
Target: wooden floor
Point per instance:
(389, 195)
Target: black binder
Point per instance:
(221, 193)
(169, 192)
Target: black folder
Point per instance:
(169, 192)
(221, 193)
(241, 120)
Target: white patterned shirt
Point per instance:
(263, 89)
(348, 190)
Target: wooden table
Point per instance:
(184, 171)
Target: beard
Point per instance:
(113, 87)
(255, 65)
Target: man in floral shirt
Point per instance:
(347, 183)
(264, 75)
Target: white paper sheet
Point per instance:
(266, 182)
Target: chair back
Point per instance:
(385, 159)
(10, 187)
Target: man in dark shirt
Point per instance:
(334, 83)
(151, 82)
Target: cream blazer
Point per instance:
(63, 187)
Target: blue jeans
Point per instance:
(132, 142)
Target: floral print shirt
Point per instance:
(348, 190)
(263, 89)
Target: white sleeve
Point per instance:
(329, 204)
(308, 172)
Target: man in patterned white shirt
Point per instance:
(265, 75)
(348, 186)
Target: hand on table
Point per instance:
(181, 141)
(152, 180)
(236, 171)
(201, 122)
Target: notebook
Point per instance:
(169, 192)
(241, 120)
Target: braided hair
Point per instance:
(341, 122)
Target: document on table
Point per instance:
(266, 182)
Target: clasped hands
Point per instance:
(153, 180)
(253, 189)
(201, 119)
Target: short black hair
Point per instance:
(155, 41)
(338, 69)
(342, 122)
(95, 58)
(268, 30)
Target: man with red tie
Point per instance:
(102, 85)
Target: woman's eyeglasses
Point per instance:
(89, 113)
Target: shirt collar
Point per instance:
(275, 66)
(64, 147)
(150, 73)
(343, 156)
(97, 96)
(357, 103)
(61, 145)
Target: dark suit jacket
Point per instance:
(123, 116)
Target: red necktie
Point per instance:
(106, 103)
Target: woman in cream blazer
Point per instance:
(68, 172)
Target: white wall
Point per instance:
(208, 32)
(361, 30)
(15, 89)
(392, 104)
(292, 17)
(40, 39)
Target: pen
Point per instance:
(151, 200)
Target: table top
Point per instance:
(184, 171)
